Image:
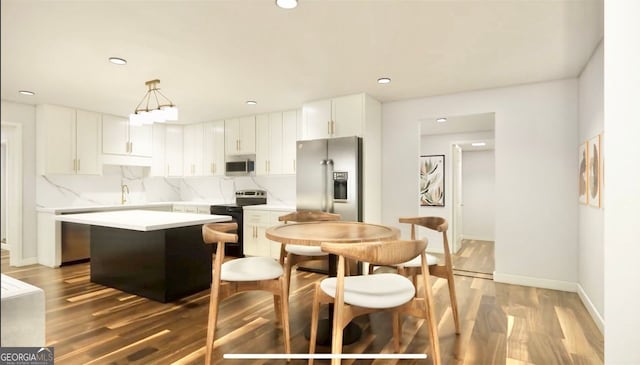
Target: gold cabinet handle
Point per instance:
(78, 165)
(333, 127)
(329, 127)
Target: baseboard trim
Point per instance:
(534, 282)
(28, 261)
(597, 318)
(474, 238)
(556, 285)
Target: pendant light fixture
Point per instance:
(154, 107)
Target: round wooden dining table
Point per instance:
(313, 234)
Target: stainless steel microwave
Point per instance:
(239, 168)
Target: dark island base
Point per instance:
(163, 265)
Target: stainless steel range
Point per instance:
(243, 198)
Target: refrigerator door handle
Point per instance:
(329, 190)
(323, 203)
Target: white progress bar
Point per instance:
(324, 356)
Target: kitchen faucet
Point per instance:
(125, 191)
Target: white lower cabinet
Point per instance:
(192, 208)
(256, 223)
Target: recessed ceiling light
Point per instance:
(384, 80)
(27, 92)
(117, 61)
(478, 144)
(441, 120)
(251, 102)
(287, 4)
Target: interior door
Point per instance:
(458, 205)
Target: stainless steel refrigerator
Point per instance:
(329, 176)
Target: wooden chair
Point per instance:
(413, 267)
(243, 274)
(362, 294)
(291, 255)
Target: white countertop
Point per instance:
(95, 208)
(142, 220)
(102, 208)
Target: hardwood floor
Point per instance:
(475, 258)
(501, 324)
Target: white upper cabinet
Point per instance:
(317, 120)
(121, 138)
(174, 142)
(158, 164)
(269, 144)
(240, 136)
(204, 149)
(68, 141)
(213, 149)
(168, 142)
(290, 122)
(337, 117)
(193, 148)
(88, 141)
(140, 137)
(115, 135)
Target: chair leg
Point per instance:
(431, 319)
(277, 305)
(288, 266)
(315, 314)
(284, 304)
(213, 317)
(337, 331)
(454, 301)
(396, 331)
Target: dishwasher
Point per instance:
(75, 239)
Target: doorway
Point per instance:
(475, 210)
(3, 191)
(467, 141)
(12, 191)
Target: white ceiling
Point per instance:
(211, 56)
(458, 124)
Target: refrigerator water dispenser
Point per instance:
(340, 180)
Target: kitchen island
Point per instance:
(154, 254)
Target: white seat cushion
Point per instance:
(22, 314)
(251, 268)
(302, 250)
(416, 262)
(373, 291)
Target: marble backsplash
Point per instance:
(76, 190)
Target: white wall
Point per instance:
(440, 144)
(591, 219)
(478, 195)
(26, 116)
(621, 181)
(535, 162)
(3, 190)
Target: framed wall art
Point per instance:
(593, 171)
(432, 180)
(583, 175)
